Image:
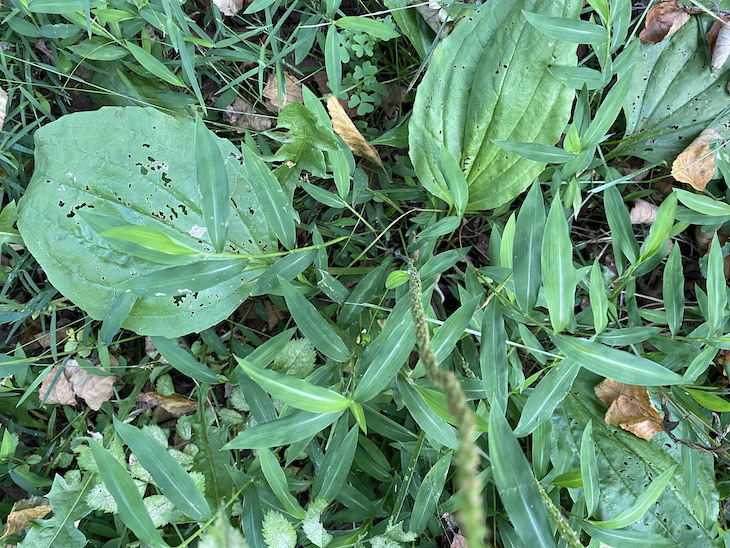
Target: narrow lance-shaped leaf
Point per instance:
(312, 325)
(384, 357)
(642, 504)
(619, 222)
(336, 466)
(546, 396)
(122, 488)
(276, 479)
(295, 392)
(493, 354)
(615, 364)
(181, 360)
(152, 64)
(295, 426)
(535, 151)
(332, 60)
(121, 307)
(436, 428)
(456, 181)
(570, 30)
(288, 267)
(589, 470)
(526, 265)
(608, 112)
(599, 300)
(212, 179)
(372, 27)
(272, 200)
(185, 279)
(445, 339)
(516, 485)
(661, 227)
(557, 267)
(673, 289)
(174, 482)
(429, 494)
(716, 288)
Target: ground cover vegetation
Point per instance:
(340, 273)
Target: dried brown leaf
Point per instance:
(229, 7)
(630, 408)
(23, 512)
(175, 404)
(662, 20)
(696, 165)
(643, 212)
(344, 127)
(292, 92)
(242, 115)
(93, 389)
(61, 392)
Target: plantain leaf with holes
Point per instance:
(97, 173)
(489, 80)
(674, 95)
(626, 466)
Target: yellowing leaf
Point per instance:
(344, 127)
(23, 512)
(630, 408)
(696, 165)
(662, 20)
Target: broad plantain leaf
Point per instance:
(137, 166)
(488, 81)
(674, 95)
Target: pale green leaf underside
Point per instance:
(490, 81)
(135, 165)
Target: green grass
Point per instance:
(277, 339)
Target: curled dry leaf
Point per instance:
(75, 381)
(630, 408)
(662, 20)
(643, 212)
(243, 117)
(229, 7)
(718, 40)
(293, 92)
(176, 405)
(3, 106)
(347, 131)
(60, 392)
(93, 389)
(696, 165)
(23, 512)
